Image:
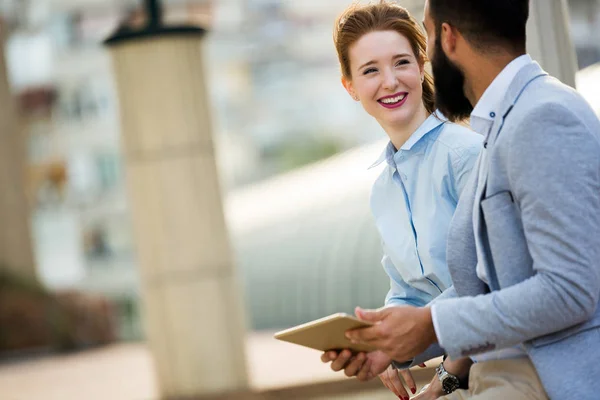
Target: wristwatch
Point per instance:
(449, 382)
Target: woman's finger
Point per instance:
(409, 380)
(386, 382)
(329, 356)
(341, 360)
(355, 364)
(364, 373)
(398, 385)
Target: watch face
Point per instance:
(450, 384)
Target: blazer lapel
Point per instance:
(524, 77)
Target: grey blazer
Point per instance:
(537, 218)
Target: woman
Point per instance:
(382, 53)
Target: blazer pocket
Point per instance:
(507, 241)
(497, 202)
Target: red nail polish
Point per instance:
(413, 390)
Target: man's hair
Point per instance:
(486, 24)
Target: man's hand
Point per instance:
(400, 332)
(459, 368)
(364, 366)
(431, 391)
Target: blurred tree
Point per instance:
(33, 318)
(301, 150)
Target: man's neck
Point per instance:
(481, 72)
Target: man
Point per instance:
(524, 246)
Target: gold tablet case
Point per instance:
(326, 333)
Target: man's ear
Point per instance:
(448, 37)
(347, 83)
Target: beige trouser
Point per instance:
(511, 379)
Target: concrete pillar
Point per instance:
(16, 252)
(190, 295)
(549, 39)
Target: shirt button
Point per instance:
(493, 114)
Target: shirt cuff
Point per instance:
(436, 326)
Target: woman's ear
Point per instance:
(347, 83)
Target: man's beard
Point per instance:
(449, 83)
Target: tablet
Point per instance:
(326, 333)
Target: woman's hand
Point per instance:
(364, 366)
(391, 380)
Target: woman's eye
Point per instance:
(369, 70)
(402, 62)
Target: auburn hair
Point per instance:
(360, 19)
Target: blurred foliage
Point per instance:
(129, 319)
(32, 318)
(28, 314)
(11, 281)
(300, 150)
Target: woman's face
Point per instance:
(386, 77)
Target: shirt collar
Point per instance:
(387, 154)
(487, 106)
(432, 122)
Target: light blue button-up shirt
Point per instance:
(413, 201)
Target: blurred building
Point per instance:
(81, 226)
(277, 104)
(585, 30)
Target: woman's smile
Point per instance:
(394, 100)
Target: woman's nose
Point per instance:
(390, 81)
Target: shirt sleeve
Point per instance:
(401, 293)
